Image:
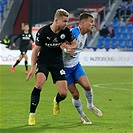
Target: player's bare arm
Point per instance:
(33, 61)
(74, 44)
(31, 42)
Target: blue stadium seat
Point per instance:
(100, 42)
(118, 31)
(123, 26)
(99, 45)
(116, 26)
(107, 42)
(1, 8)
(129, 27)
(122, 43)
(131, 7)
(107, 46)
(107, 39)
(123, 5)
(114, 39)
(131, 35)
(125, 34)
(129, 44)
(114, 45)
(115, 21)
(119, 35)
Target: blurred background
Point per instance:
(113, 30)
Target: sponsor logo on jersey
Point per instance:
(48, 38)
(52, 44)
(55, 40)
(26, 38)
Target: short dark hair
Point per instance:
(84, 16)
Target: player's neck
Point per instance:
(26, 32)
(82, 31)
(54, 28)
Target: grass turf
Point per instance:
(112, 88)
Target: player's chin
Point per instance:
(63, 27)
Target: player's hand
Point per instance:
(70, 51)
(13, 44)
(30, 75)
(67, 48)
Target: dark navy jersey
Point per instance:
(50, 42)
(24, 39)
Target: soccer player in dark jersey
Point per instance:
(25, 38)
(47, 54)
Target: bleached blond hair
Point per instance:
(60, 13)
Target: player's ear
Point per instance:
(56, 20)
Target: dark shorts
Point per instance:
(23, 51)
(56, 70)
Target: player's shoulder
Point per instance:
(22, 32)
(66, 30)
(43, 29)
(75, 31)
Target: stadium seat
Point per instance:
(114, 39)
(107, 39)
(100, 42)
(125, 34)
(131, 7)
(99, 45)
(129, 27)
(119, 35)
(115, 21)
(129, 45)
(123, 26)
(131, 35)
(121, 43)
(114, 43)
(101, 39)
(107, 46)
(116, 26)
(118, 31)
(123, 5)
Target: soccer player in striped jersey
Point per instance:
(74, 71)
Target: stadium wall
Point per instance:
(43, 10)
(87, 58)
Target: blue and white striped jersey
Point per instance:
(71, 61)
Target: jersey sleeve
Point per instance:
(69, 36)
(75, 32)
(32, 38)
(38, 39)
(19, 36)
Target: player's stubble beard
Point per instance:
(60, 27)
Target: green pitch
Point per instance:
(112, 88)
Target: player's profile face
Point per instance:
(62, 22)
(89, 23)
